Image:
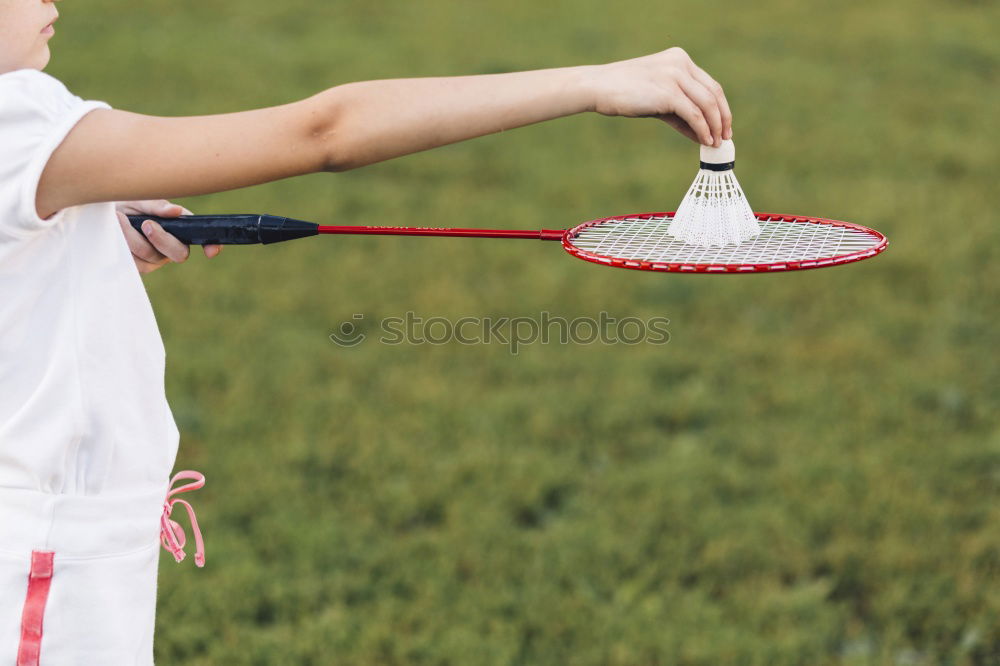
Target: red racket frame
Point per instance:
(770, 267)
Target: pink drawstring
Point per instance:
(171, 534)
(39, 581)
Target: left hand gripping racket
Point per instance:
(640, 242)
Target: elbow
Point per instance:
(335, 159)
(341, 152)
(327, 135)
(332, 154)
(333, 164)
(333, 151)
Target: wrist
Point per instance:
(586, 86)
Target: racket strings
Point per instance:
(647, 239)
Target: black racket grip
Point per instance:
(229, 229)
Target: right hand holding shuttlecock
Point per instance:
(666, 85)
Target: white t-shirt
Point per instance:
(82, 404)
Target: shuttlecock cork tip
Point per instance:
(725, 154)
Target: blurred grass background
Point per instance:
(808, 473)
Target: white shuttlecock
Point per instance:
(715, 211)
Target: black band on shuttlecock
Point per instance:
(728, 166)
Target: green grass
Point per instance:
(808, 473)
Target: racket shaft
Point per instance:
(229, 229)
(443, 232)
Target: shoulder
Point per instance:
(36, 107)
(28, 90)
(36, 114)
(27, 79)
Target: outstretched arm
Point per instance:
(115, 155)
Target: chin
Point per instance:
(41, 61)
(37, 58)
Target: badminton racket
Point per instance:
(640, 242)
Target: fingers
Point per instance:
(667, 85)
(173, 210)
(707, 105)
(716, 90)
(706, 94)
(158, 207)
(163, 243)
(691, 114)
(162, 208)
(154, 245)
(678, 124)
(147, 258)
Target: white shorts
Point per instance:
(78, 578)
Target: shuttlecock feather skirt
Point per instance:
(714, 212)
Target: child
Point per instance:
(87, 440)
